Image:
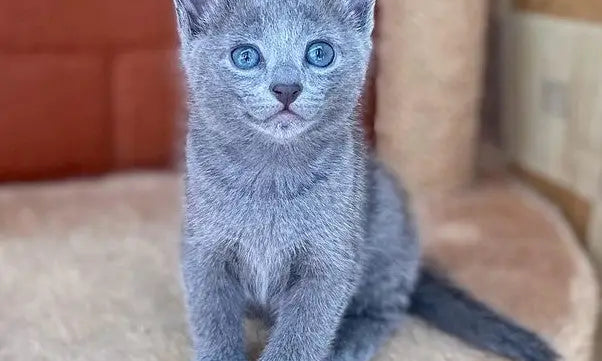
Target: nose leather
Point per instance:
(286, 93)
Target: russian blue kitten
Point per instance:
(288, 218)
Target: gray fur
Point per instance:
(294, 223)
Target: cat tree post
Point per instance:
(429, 63)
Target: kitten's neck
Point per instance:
(268, 170)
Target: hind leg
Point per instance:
(360, 337)
(376, 312)
(361, 334)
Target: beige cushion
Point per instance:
(89, 271)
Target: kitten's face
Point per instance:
(276, 68)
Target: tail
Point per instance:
(454, 311)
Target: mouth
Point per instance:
(284, 125)
(284, 119)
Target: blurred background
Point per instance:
(490, 111)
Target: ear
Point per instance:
(361, 13)
(192, 17)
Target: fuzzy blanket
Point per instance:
(89, 271)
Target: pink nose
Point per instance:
(286, 93)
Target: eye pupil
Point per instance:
(246, 56)
(319, 53)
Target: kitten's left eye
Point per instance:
(320, 54)
(246, 57)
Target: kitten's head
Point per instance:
(275, 68)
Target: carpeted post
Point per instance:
(429, 58)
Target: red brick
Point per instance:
(146, 103)
(52, 116)
(46, 24)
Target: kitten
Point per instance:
(288, 217)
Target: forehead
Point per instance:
(282, 19)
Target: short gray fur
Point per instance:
(299, 225)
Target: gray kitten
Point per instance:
(288, 218)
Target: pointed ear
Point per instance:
(192, 16)
(361, 12)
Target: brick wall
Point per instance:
(86, 86)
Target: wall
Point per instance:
(86, 86)
(589, 10)
(553, 106)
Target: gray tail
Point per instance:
(452, 310)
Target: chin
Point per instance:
(284, 127)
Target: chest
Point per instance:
(268, 237)
(223, 215)
(268, 232)
(263, 274)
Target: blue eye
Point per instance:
(246, 57)
(320, 54)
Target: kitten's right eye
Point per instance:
(246, 57)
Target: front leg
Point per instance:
(311, 310)
(215, 306)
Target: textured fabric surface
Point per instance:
(88, 271)
(429, 59)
